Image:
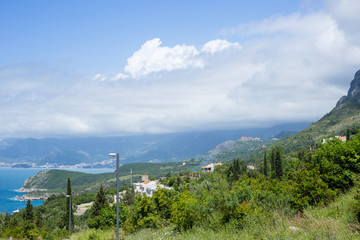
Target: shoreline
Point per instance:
(25, 198)
(29, 190)
(61, 168)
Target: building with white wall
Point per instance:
(148, 187)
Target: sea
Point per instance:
(12, 179)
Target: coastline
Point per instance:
(13, 195)
(28, 190)
(31, 198)
(26, 197)
(61, 167)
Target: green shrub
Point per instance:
(185, 212)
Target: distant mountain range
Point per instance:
(144, 148)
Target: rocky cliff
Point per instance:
(354, 90)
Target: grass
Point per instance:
(95, 234)
(335, 221)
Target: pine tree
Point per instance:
(14, 222)
(100, 202)
(39, 220)
(178, 182)
(236, 169)
(129, 197)
(29, 213)
(6, 220)
(265, 165)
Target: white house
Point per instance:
(148, 187)
(210, 167)
(251, 166)
(342, 138)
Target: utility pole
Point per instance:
(117, 192)
(117, 196)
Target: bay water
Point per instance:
(12, 179)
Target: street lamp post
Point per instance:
(117, 192)
(69, 196)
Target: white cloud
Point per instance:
(345, 10)
(153, 58)
(346, 14)
(120, 76)
(318, 28)
(285, 68)
(219, 45)
(99, 77)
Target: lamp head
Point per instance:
(112, 154)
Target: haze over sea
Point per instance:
(11, 179)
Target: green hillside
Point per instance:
(229, 150)
(55, 180)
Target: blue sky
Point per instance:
(100, 36)
(120, 67)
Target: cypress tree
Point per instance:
(265, 165)
(66, 215)
(272, 163)
(29, 213)
(68, 189)
(347, 134)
